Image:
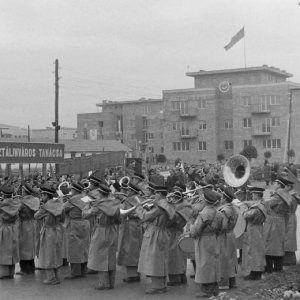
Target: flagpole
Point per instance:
(245, 48)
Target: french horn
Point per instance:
(236, 170)
(124, 181)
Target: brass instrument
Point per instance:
(86, 183)
(124, 181)
(59, 191)
(236, 170)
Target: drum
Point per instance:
(240, 225)
(186, 244)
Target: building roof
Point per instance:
(142, 100)
(273, 70)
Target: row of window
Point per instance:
(228, 145)
(228, 124)
(265, 101)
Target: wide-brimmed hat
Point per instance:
(134, 188)
(284, 181)
(46, 189)
(103, 188)
(139, 176)
(77, 186)
(211, 197)
(28, 188)
(7, 189)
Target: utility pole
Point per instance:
(55, 123)
(28, 134)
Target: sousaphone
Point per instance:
(236, 172)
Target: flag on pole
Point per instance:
(235, 39)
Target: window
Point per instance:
(272, 143)
(178, 126)
(267, 100)
(133, 137)
(175, 105)
(146, 109)
(202, 146)
(275, 121)
(202, 124)
(228, 145)
(162, 149)
(181, 146)
(266, 125)
(247, 122)
(202, 103)
(228, 124)
(100, 123)
(150, 136)
(180, 105)
(247, 143)
(246, 100)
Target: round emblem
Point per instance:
(224, 86)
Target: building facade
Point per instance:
(224, 112)
(138, 124)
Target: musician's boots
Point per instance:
(278, 263)
(232, 282)
(269, 264)
(112, 278)
(104, 283)
(254, 275)
(289, 258)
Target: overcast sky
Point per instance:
(125, 50)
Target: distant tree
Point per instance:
(291, 154)
(220, 157)
(161, 158)
(267, 155)
(249, 152)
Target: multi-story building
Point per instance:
(230, 109)
(136, 123)
(225, 111)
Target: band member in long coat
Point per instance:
(51, 237)
(104, 242)
(154, 254)
(254, 245)
(177, 258)
(139, 181)
(27, 230)
(228, 241)
(290, 242)
(275, 227)
(77, 233)
(205, 231)
(130, 238)
(9, 237)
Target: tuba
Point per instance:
(236, 170)
(86, 183)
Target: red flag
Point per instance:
(235, 39)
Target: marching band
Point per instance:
(149, 230)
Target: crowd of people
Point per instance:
(95, 224)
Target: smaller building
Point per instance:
(65, 133)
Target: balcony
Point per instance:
(260, 131)
(188, 134)
(258, 109)
(188, 113)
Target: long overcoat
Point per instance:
(275, 226)
(130, 241)
(206, 231)
(177, 258)
(228, 241)
(155, 246)
(77, 231)
(290, 241)
(9, 232)
(51, 236)
(27, 227)
(104, 241)
(254, 244)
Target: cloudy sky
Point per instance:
(128, 49)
